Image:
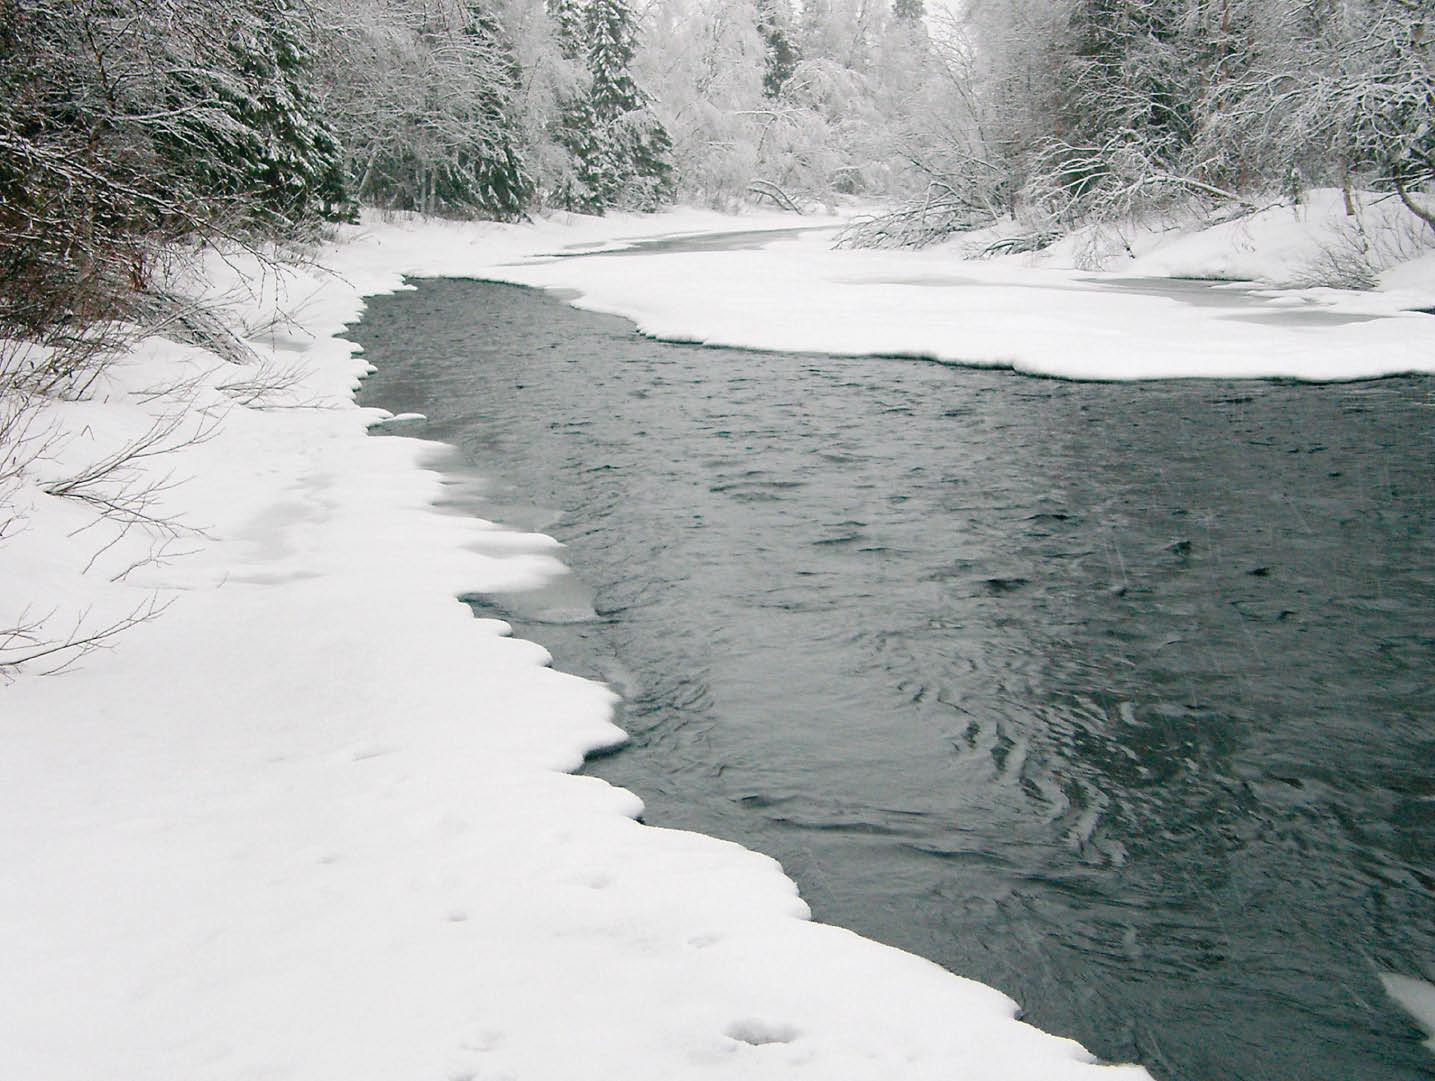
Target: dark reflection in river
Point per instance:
(1117, 697)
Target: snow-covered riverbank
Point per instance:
(1145, 316)
(313, 821)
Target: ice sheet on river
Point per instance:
(798, 295)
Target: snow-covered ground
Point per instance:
(313, 822)
(1041, 314)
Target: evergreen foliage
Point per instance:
(161, 119)
(132, 124)
(610, 34)
(1100, 110)
(630, 164)
(492, 174)
(621, 152)
(781, 54)
(264, 135)
(574, 127)
(568, 27)
(1121, 101)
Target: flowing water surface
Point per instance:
(1115, 696)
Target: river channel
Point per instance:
(1117, 697)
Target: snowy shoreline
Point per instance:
(316, 821)
(1211, 303)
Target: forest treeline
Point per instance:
(133, 120)
(1082, 111)
(130, 125)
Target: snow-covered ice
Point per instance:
(1416, 997)
(1048, 319)
(315, 821)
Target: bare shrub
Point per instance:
(944, 213)
(1344, 262)
(32, 640)
(1359, 251)
(116, 486)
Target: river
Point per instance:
(1114, 696)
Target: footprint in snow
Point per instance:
(757, 1033)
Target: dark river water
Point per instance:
(1117, 697)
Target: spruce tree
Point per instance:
(1121, 102)
(261, 133)
(631, 164)
(621, 152)
(574, 128)
(490, 175)
(305, 163)
(780, 52)
(568, 24)
(610, 53)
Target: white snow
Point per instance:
(1049, 319)
(396, 418)
(314, 821)
(1416, 997)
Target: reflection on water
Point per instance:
(1117, 697)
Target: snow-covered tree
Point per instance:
(264, 134)
(706, 74)
(1120, 99)
(841, 30)
(620, 153)
(494, 173)
(632, 164)
(570, 127)
(131, 124)
(569, 27)
(1327, 93)
(1067, 112)
(426, 93)
(780, 50)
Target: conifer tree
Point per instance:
(253, 128)
(1121, 105)
(611, 36)
(781, 55)
(299, 165)
(430, 97)
(573, 129)
(568, 24)
(621, 151)
(491, 174)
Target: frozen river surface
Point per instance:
(1114, 696)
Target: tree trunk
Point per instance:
(1424, 214)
